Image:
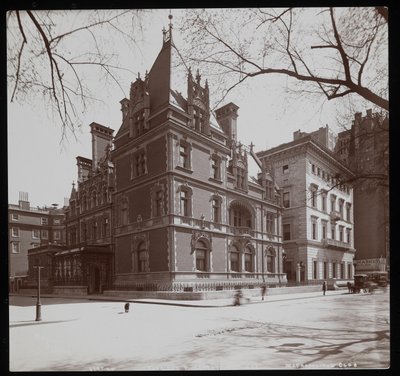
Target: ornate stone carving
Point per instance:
(197, 235)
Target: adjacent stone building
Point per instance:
(187, 215)
(365, 149)
(318, 215)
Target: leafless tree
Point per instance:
(54, 54)
(336, 52)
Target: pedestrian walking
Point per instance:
(349, 287)
(324, 287)
(263, 291)
(126, 307)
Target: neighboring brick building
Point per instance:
(85, 266)
(187, 216)
(365, 149)
(30, 227)
(318, 215)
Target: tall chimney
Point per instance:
(23, 201)
(226, 117)
(101, 139)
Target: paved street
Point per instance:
(310, 331)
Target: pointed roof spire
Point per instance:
(167, 34)
(170, 19)
(73, 192)
(198, 77)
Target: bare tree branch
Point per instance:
(283, 57)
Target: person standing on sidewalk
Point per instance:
(324, 287)
(263, 291)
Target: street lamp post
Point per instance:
(38, 303)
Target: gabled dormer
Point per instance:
(238, 166)
(139, 107)
(198, 102)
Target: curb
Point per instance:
(175, 303)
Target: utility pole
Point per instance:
(38, 303)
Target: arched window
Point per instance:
(202, 256)
(271, 260)
(248, 260)
(234, 259)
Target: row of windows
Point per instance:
(15, 246)
(342, 234)
(90, 231)
(318, 171)
(139, 162)
(341, 205)
(238, 261)
(37, 234)
(43, 220)
(90, 200)
(332, 270)
(238, 215)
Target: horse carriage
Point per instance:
(362, 283)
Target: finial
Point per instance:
(73, 184)
(170, 18)
(190, 72)
(146, 75)
(206, 84)
(138, 75)
(251, 146)
(198, 77)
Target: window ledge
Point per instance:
(219, 181)
(187, 170)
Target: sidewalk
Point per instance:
(210, 303)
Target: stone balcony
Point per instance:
(336, 244)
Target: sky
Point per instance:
(43, 164)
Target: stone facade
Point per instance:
(318, 215)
